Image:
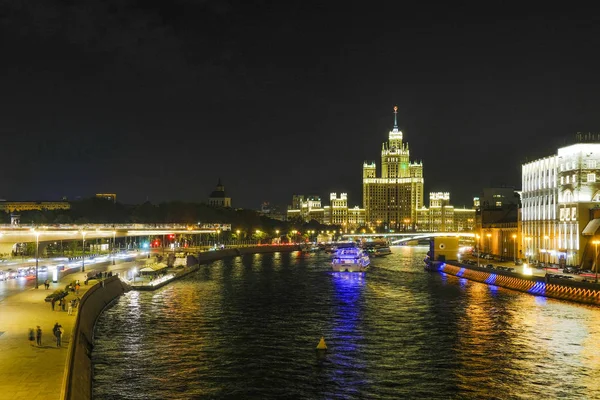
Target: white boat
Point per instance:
(350, 258)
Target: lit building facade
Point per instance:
(392, 200)
(443, 217)
(336, 213)
(497, 222)
(16, 206)
(107, 196)
(561, 204)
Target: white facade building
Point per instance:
(560, 197)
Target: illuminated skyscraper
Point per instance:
(392, 201)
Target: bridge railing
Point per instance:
(222, 227)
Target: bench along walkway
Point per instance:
(34, 372)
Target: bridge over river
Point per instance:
(10, 235)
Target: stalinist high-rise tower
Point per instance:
(391, 201)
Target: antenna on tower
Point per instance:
(395, 117)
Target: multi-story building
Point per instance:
(443, 217)
(497, 224)
(391, 201)
(107, 196)
(337, 213)
(561, 204)
(217, 198)
(17, 206)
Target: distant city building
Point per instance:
(497, 223)
(391, 201)
(443, 217)
(217, 197)
(561, 204)
(336, 213)
(17, 206)
(271, 211)
(107, 196)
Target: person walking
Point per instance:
(52, 303)
(31, 336)
(46, 284)
(57, 330)
(71, 307)
(77, 288)
(38, 335)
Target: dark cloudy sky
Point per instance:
(157, 99)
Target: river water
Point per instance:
(248, 327)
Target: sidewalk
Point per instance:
(31, 372)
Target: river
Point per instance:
(248, 327)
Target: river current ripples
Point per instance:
(247, 328)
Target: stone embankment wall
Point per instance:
(581, 292)
(77, 381)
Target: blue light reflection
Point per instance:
(346, 333)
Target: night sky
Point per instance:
(158, 99)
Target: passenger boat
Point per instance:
(350, 258)
(377, 249)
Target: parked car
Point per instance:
(489, 266)
(519, 262)
(571, 270)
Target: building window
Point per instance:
(568, 179)
(574, 213)
(591, 164)
(562, 180)
(591, 177)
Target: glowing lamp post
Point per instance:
(478, 249)
(83, 250)
(489, 236)
(238, 236)
(596, 243)
(515, 247)
(37, 256)
(113, 249)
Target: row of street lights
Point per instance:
(83, 233)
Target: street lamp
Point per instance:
(596, 242)
(515, 247)
(37, 249)
(478, 249)
(113, 247)
(547, 252)
(489, 236)
(83, 258)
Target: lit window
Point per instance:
(591, 177)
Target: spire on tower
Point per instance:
(395, 118)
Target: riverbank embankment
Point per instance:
(580, 292)
(77, 382)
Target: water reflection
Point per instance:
(247, 327)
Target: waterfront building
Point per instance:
(336, 213)
(497, 224)
(107, 196)
(561, 204)
(391, 201)
(441, 216)
(217, 198)
(17, 206)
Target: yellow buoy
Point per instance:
(322, 345)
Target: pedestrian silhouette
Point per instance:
(38, 335)
(31, 336)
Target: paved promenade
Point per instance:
(34, 372)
